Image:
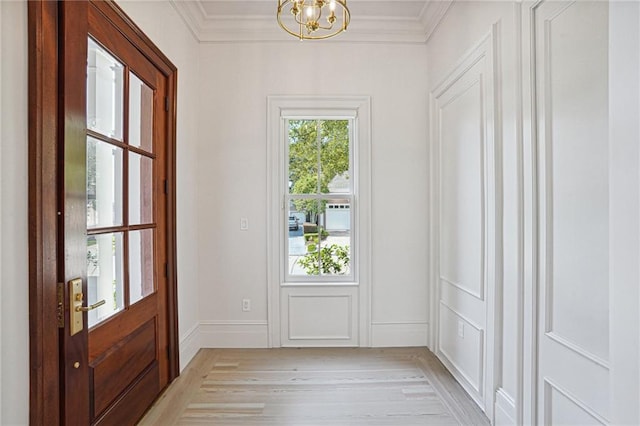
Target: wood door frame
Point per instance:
(44, 130)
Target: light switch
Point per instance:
(244, 224)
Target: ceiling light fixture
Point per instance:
(313, 19)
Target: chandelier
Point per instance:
(313, 19)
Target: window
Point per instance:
(326, 185)
(319, 193)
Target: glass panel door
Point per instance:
(120, 186)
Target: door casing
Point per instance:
(45, 124)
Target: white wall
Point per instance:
(465, 25)
(14, 280)
(235, 82)
(162, 24)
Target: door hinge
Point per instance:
(166, 187)
(166, 270)
(60, 307)
(166, 103)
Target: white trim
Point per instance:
(433, 14)
(189, 345)
(361, 108)
(399, 333)
(186, 17)
(478, 295)
(207, 28)
(517, 414)
(530, 350)
(567, 343)
(233, 334)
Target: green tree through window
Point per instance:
(319, 175)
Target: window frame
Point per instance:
(287, 196)
(277, 289)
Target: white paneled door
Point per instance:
(570, 57)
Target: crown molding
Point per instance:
(213, 29)
(432, 14)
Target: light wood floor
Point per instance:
(354, 386)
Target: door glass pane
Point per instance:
(105, 76)
(140, 114)
(140, 189)
(140, 264)
(105, 275)
(104, 184)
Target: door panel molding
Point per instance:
(44, 133)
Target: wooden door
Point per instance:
(115, 233)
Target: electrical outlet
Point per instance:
(460, 329)
(244, 224)
(246, 305)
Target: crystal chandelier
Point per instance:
(313, 19)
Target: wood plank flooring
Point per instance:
(336, 386)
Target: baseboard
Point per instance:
(399, 333)
(189, 345)
(234, 334)
(505, 409)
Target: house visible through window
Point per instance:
(319, 196)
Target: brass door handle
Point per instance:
(90, 307)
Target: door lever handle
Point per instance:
(90, 307)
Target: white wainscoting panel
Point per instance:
(325, 317)
(399, 333)
(319, 315)
(233, 334)
(461, 183)
(570, 60)
(461, 349)
(464, 151)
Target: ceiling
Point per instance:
(395, 21)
